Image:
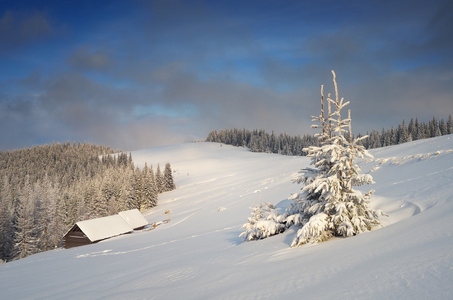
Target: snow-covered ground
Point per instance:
(198, 254)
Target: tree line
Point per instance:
(403, 133)
(44, 190)
(262, 141)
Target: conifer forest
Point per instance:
(44, 190)
(285, 144)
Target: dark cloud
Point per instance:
(18, 29)
(70, 88)
(74, 107)
(86, 59)
(440, 29)
(32, 82)
(226, 104)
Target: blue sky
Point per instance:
(138, 74)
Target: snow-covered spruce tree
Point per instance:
(25, 242)
(328, 205)
(149, 188)
(262, 223)
(169, 184)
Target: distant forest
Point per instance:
(44, 190)
(262, 141)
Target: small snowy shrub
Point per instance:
(262, 223)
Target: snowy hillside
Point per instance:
(198, 254)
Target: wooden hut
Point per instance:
(95, 230)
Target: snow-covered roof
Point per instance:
(105, 227)
(134, 218)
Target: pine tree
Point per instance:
(403, 133)
(159, 180)
(433, 128)
(125, 188)
(411, 129)
(53, 218)
(449, 125)
(135, 197)
(393, 136)
(6, 221)
(73, 207)
(169, 184)
(25, 242)
(38, 217)
(328, 205)
(443, 127)
(94, 200)
(109, 192)
(149, 188)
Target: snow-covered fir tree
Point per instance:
(6, 221)
(159, 178)
(328, 205)
(450, 125)
(149, 188)
(53, 219)
(169, 184)
(136, 194)
(25, 242)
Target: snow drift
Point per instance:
(199, 253)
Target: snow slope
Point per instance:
(198, 254)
